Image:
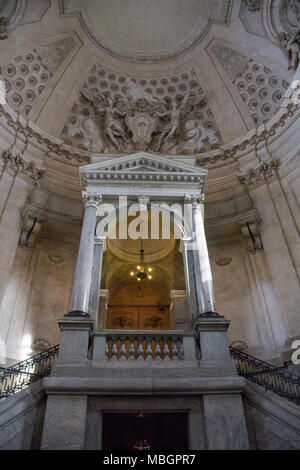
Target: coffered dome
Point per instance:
(208, 72)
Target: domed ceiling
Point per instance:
(149, 29)
(165, 76)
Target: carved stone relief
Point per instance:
(252, 5)
(27, 75)
(257, 176)
(117, 113)
(224, 261)
(261, 90)
(16, 165)
(238, 344)
(40, 345)
(7, 10)
(290, 45)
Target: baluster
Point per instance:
(149, 350)
(140, 356)
(166, 351)
(174, 350)
(131, 350)
(107, 350)
(114, 350)
(180, 349)
(122, 349)
(158, 355)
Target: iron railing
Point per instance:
(277, 379)
(19, 376)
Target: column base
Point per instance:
(77, 313)
(210, 314)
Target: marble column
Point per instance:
(198, 246)
(99, 247)
(83, 273)
(188, 263)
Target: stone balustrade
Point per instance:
(148, 345)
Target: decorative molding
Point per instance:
(259, 87)
(239, 344)
(21, 168)
(27, 75)
(27, 134)
(118, 175)
(49, 147)
(194, 199)
(224, 261)
(251, 233)
(235, 209)
(154, 321)
(167, 114)
(73, 8)
(253, 5)
(40, 345)
(44, 205)
(91, 200)
(3, 28)
(31, 225)
(257, 176)
(56, 259)
(123, 321)
(289, 43)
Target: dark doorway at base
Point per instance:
(145, 431)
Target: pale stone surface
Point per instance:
(74, 339)
(225, 422)
(65, 423)
(20, 417)
(259, 292)
(83, 273)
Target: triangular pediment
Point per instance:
(141, 162)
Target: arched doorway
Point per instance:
(149, 304)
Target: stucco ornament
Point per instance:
(3, 27)
(253, 5)
(139, 121)
(290, 45)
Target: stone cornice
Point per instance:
(259, 175)
(18, 166)
(91, 200)
(194, 199)
(26, 134)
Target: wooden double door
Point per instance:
(138, 317)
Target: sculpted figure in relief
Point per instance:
(3, 27)
(290, 44)
(113, 126)
(137, 120)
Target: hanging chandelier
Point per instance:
(142, 272)
(142, 445)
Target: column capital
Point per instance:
(100, 241)
(91, 199)
(194, 199)
(143, 201)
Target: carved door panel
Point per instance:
(137, 317)
(153, 318)
(122, 317)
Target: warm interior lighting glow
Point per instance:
(141, 272)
